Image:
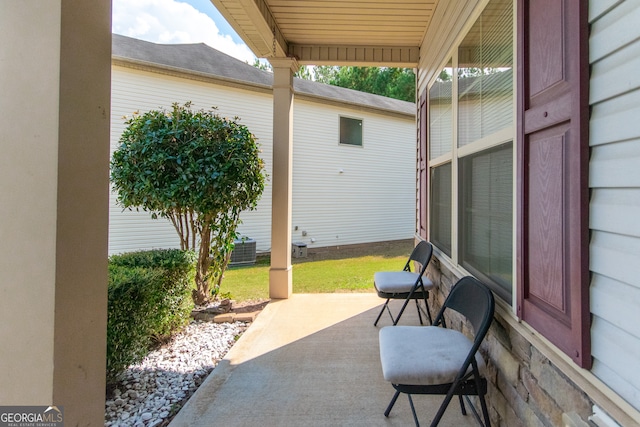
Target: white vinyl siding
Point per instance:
(134, 90)
(373, 199)
(614, 179)
(347, 194)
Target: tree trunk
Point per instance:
(202, 293)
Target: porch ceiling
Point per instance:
(332, 32)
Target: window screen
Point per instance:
(440, 232)
(350, 131)
(471, 111)
(486, 216)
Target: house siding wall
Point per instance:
(136, 90)
(615, 194)
(372, 200)
(528, 384)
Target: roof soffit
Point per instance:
(254, 22)
(332, 32)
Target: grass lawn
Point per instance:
(346, 271)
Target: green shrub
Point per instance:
(197, 169)
(149, 299)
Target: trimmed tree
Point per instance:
(197, 169)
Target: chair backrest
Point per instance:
(474, 300)
(421, 254)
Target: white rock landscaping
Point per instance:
(153, 391)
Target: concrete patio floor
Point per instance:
(311, 360)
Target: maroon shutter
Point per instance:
(552, 150)
(422, 169)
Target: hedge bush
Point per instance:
(149, 299)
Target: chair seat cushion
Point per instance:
(393, 282)
(423, 355)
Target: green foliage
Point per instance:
(264, 66)
(197, 169)
(398, 83)
(175, 262)
(304, 72)
(445, 75)
(324, 73)
(186, 159)
(148, 300)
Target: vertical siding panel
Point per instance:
(614, 179)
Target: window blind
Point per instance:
(485, 76)
(441, 114)
(486, 206)
(440, 213)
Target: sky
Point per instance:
(178, 21)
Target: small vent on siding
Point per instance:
(244, 252)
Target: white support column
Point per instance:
(55, 69)
(280, 282)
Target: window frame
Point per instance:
(351, 118)
(455, 156)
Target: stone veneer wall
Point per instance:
(525, 388)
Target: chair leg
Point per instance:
(404, 306)
(406, 301)
(418, 309)
(482, 391)
(462, 408)
(474, 412)
(382, 311)
(485, 412)
(426, 304)
(427, 311)
(443, 406)
(413, 410)
(393, 402)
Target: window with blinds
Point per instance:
(486, 225)
(485, 77)
(471, 132)
(440, 207)
(440, 147)
(485, 109)
(441, 114)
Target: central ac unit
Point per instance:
(244, 252)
